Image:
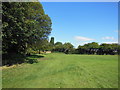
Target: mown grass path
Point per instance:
(64, 71)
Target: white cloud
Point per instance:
(116, 31)
(108, 38)
(80, 38)
(109, 42)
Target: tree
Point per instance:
(58, 43)
(81, 49)
(109, 48)
(28, 26)
(90, 48)
(52, 41)
(68, 47)
(91, 45)
(40, 45)
(23, 25)
(58, 47)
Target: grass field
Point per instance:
(64, 71)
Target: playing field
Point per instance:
(59, 70)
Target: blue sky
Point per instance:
(83, 22)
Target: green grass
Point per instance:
(58, 70)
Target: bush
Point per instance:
(13, 58)
(31, 61)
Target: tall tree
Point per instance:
(52, 41)
(23, 25)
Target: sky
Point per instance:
(79, 0)
(83, 22)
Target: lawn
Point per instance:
(57, 70)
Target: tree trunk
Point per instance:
(39, 51)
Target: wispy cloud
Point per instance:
(109, 42)
(80, 38)
(108, 38)
(116, 31)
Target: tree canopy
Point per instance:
(95, 48)
(24, 24)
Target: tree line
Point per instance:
(90, 48)
(95, 48)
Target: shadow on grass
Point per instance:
(36, 56)
(33, 58)
(11, 59)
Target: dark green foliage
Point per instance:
(94, 48)
(19, 58)
(41, 45)
(66, 48)
(12, 59)
(52, 41)
(58, 43)
(24, 25)
(111, 49)
(31, 61)
(58, 47)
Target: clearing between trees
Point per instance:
(58, 70)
